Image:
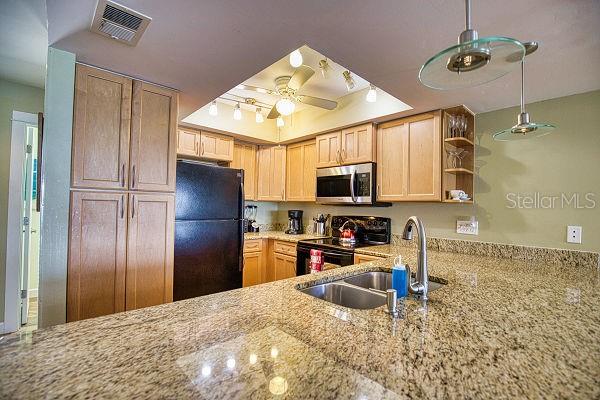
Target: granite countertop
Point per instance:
(499, 329)
(279, 235)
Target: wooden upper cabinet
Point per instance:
(244, 157)
(101, 121)
(301, 171)
(271, 173)
(358, 144)
(97, 254)
(329, 149)
(150, 250)
(215, 146)
(188, 143)
(153, 138)
(409, 159)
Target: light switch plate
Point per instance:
(467, 227)
(573, 234)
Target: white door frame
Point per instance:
(14, 222)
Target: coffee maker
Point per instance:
(295, 222)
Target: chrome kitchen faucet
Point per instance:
(421, 284)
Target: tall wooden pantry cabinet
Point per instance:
(121, 236)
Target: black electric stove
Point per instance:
(368, 231)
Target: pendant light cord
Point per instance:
(523, 85)
(468, 14)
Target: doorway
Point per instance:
(23, 227)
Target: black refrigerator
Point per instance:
(209, 229)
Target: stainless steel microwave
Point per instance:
(348, 184)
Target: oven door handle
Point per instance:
(352, 185)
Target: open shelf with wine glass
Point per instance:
(458, 154)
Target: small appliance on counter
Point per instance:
(250, 224)
(338, 251)
(295, 226)
(320, 224)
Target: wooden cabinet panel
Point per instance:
(271, 173)
(188, 143)
(252, 245)
(215, 146)
(424, 155)
(101, 121)
(409, 159)
(97, 255)
(328, 149)
(284, 266)
(301, 171)
(358, 144)
(244, 157)
(362, 258)
(253, 266)
(153, 138)
(391, 161)
(150, 248)
(289, 248)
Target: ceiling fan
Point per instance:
(287, 88)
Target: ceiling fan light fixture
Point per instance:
(280, 122)
(372, 94)
(285, 106)
(473, 61)
(349, 80)
(213, 110)
(237, 112)
(259, 117)
(296, 58)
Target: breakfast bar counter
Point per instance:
(499, 329)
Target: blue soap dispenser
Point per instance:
(400, 277)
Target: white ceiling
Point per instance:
(206, 48)
(23, 41)
(332, 86)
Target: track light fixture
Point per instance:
(349, 80)
(212, 110)
(372, 94)
(259, 117)
(324, 67)
(280, 122)
(237, 112)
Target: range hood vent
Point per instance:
(119, 22)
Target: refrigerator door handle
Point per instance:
(241, 203)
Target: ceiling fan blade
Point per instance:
(317, 102)
(302, 74)
(255, 89)
(273, 113)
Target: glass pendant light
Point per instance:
(472, 61)
(348, 79)
(372, 94)
(285, 106)
(237, 112)
(259, 117)
(524, 129)
(212, 110)
(280, 122)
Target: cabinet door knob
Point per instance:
(133, 206)
(122, 205)
(133, 177)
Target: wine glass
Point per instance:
(453, 156)
(460, 157)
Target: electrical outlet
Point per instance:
(573, 234)
(470, 227)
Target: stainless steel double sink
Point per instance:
(356, 291)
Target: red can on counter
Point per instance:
(316, 261)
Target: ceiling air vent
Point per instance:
(119, 22)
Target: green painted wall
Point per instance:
(566, 161)
(19, 97)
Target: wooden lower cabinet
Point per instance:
(284, 266)
(97, 255)
(363, 258)
(120, 252)
(254, 263)
(150, 247)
